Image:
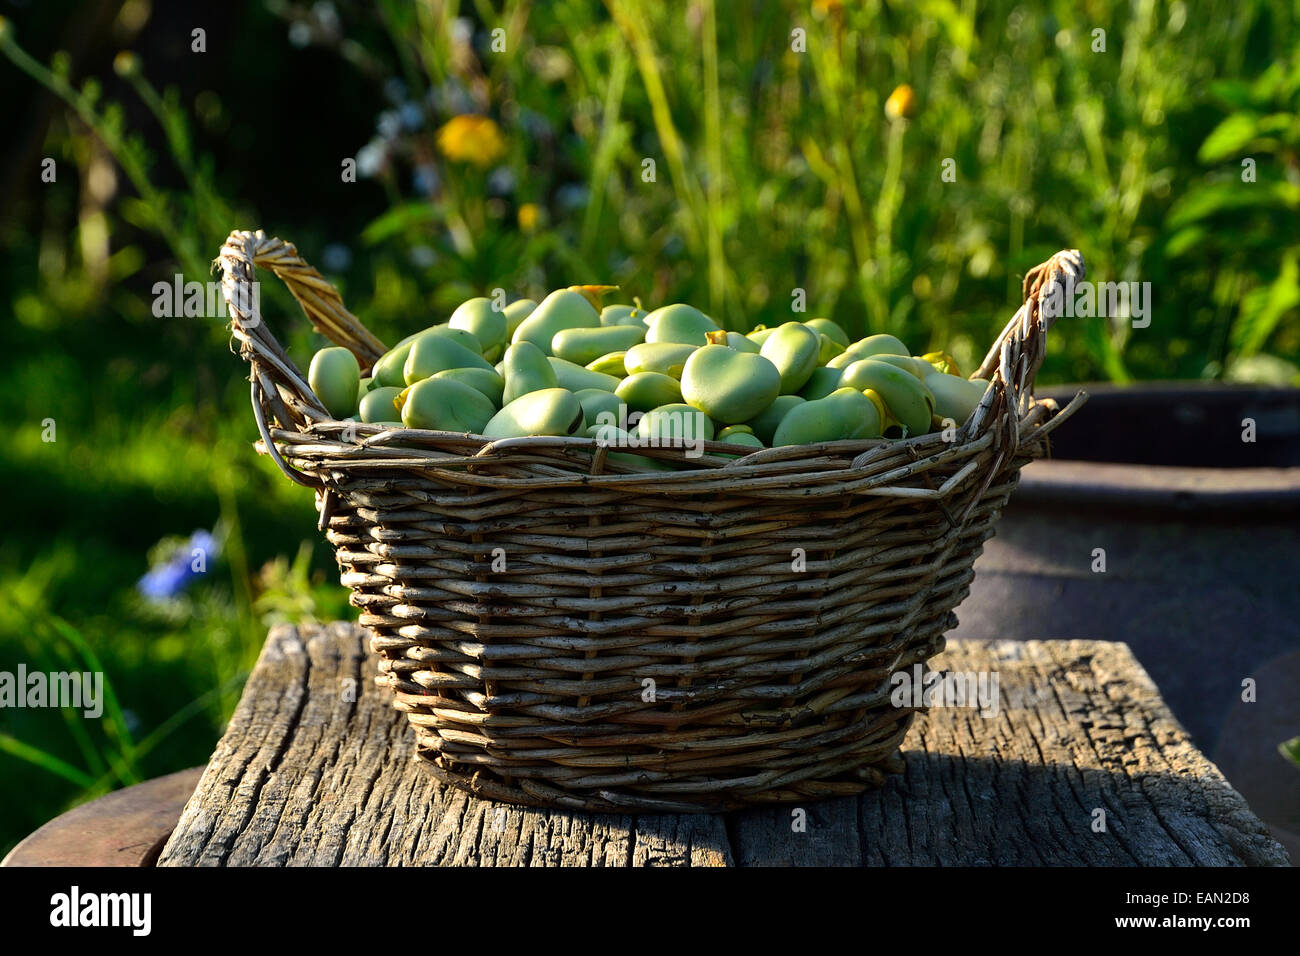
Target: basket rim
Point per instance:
(280, 393)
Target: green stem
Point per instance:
(887, 205)
(16, 748)
(713, 155)
(115, 719)
(826, 73)
(633, 26)
(606, 149)
(121, 150)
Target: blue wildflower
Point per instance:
(501, 181)
(389, 124)
(372, 158)
(571, 196)
(169, 578)
(336, 257)
(411, 115)
(425, 179)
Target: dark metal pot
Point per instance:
(1201, 538)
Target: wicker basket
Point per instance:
(565, 630)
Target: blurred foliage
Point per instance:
(725, 154)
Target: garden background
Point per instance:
(1164, 147)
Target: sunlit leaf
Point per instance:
(1263, 308)
(1234, 93)
(1229, 137)
(1214, 198)
(398, 219)
(1185, 240)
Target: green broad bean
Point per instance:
(597, 401)
(831, 330)
(335, 377)
(735, 430)
(842, 415)
(955, 398)
(628, 315)
(679, 323)
(741, 343)
(908, 400)
(562, 309)
(388, 369)
(460, 336)
(525, 370)
(744, 439)
(765, 422)
(443, 404)
(667, 358)
(575, 377)
(515, 314)
(822, 382)
(675, 424)
(607, 434)
(908, 363)
(548, 411)
(581, 346)
(378, 406)
(643, 391)
(942, 362)
(793, 348)
(434, 352)
(486, 323)
(729, 386)
(611, 364)
(828, 348)
(881, 344)
(485, 380)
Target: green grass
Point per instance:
(775, 171)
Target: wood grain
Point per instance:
(316, 768)
(127, 827)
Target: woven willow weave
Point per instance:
(563, 629)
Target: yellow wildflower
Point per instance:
(530, 215)
(901, 103)
(472, 139)
(126, 64)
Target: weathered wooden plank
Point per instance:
(317, 769)
(1080, 729)
(127, 827)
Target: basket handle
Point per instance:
(279, 389)
(1017, 354)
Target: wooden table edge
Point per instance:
(127, 827)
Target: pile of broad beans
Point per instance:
(628, 377)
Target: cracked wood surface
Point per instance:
(316, 769)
